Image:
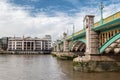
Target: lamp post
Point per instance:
(73, 33)
(101, 10)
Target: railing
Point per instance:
(117, 15)
(96, 24)
(77, 33)
(108, 19)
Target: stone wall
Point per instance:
(97, 66)
(97, 63)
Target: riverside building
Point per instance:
(28, 44)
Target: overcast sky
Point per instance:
(37, 18)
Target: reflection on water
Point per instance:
(44, 67)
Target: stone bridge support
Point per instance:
(92, 43)
(65, 43)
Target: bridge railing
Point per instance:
(79, 32)
(108, 19)
(97, 24)
(75, 34)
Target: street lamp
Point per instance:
(101, 10)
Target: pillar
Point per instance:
(26, 46)
(15, 45)
(65, 43)
(92, 37)
(30, 45)
(23, 45)
(58, 47)
(12, 45)
(34, 47)
(41, 45)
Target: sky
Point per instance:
(37, 18)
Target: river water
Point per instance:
(44, 67)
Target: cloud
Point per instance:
(34, 0)
(16, 20)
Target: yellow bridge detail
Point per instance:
(106, 20)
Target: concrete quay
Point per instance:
(97, 63)
(65, 55)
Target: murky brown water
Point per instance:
(44, 67)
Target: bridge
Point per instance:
(104, 37)
(100, 38)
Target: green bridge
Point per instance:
(99, 42)
(105, 35)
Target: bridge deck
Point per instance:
(107, 22)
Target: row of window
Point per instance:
(29, 49)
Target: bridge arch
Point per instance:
(79, 43)
(109, 42)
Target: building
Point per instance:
(30, 44)
(4, 43)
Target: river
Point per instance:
(44, 67)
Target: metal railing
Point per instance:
(106, 20)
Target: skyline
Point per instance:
(53, 17)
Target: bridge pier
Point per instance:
(92, 43)
(65, 43)
(97, 63)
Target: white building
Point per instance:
(29, 44)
